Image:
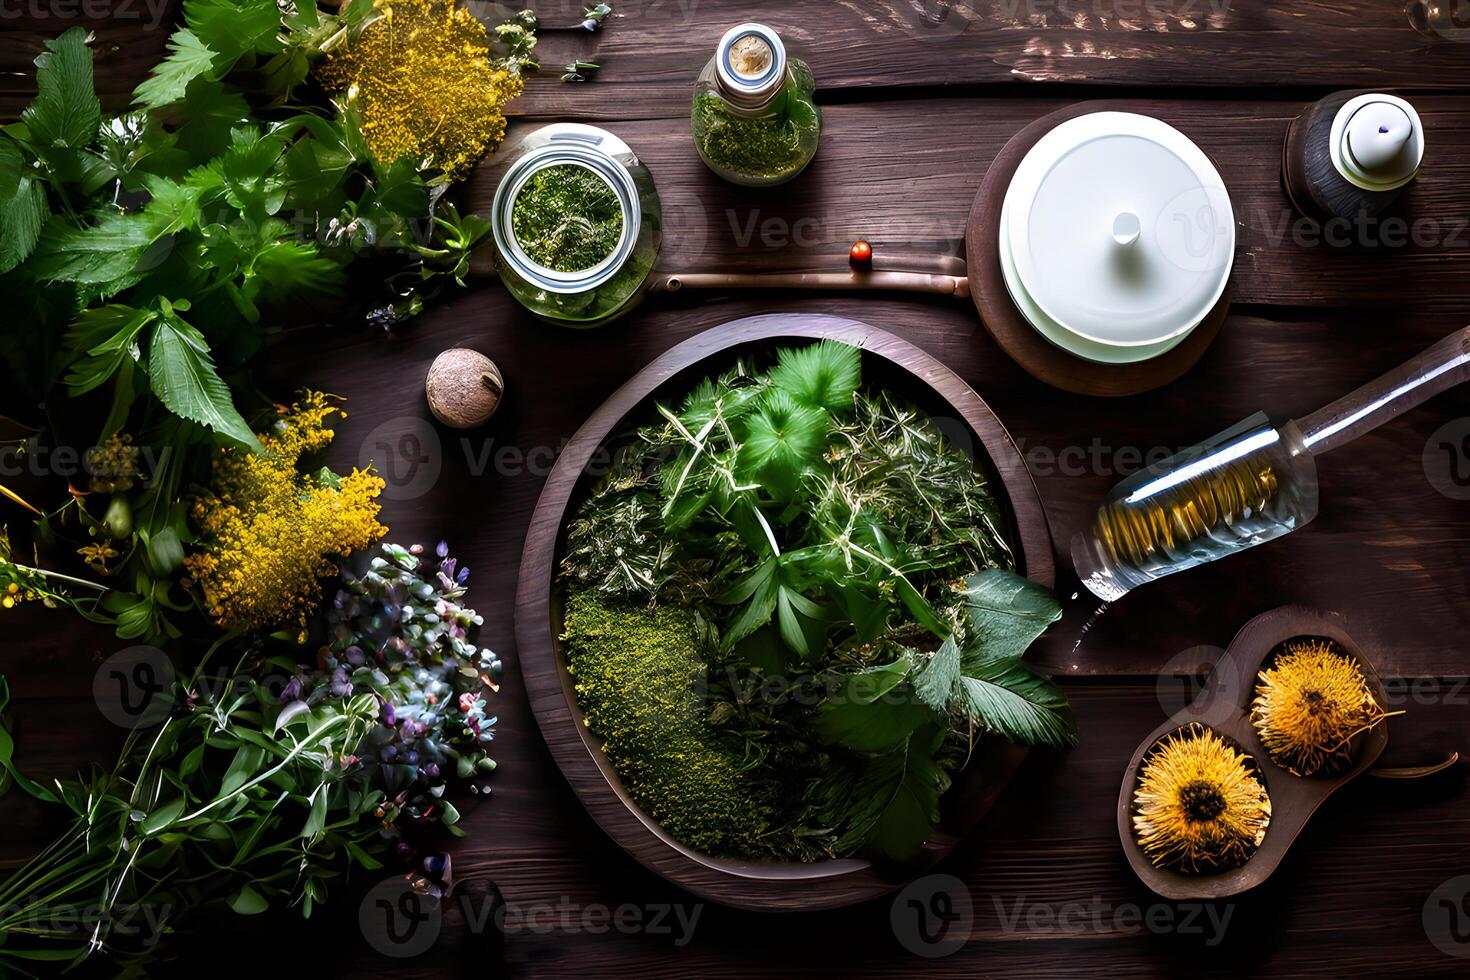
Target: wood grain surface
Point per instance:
(920, 96)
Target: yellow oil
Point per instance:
(1203, 513)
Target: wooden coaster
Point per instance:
(1013, 332)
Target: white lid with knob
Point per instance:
(1377, 142)
(1120, 234)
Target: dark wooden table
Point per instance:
(919, 96)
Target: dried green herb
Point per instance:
(567, 218)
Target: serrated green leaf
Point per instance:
(285, 270)
(188, 59)
(782, 439)
(65, 112)
(23, 208)
(1006, 698)
(184, 378)
(824, 375)
(102, 340)
(102, 253)
(232, 28)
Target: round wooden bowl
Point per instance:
(887, 360)
(1224, 706)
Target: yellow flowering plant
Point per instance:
(270, 532)
(425, 84)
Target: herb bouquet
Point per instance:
(265, 783)
(791, 611)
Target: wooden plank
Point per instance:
(651, 50)
(919, 198)
(1049, 850)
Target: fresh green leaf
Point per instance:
(235, 27)
(937, 684)
(162, 817)
(1007, 613)
(107, 252)
(185, 380)
(782, 440)
(104, 339)
(65, 112)
(247, 901)
(22, 206)
(188, 59)
(877, 725)
(1006, 698)
(824, 375)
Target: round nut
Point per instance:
(464, 388)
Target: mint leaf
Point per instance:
(188, 58)
(65, 112)
(184, 378)
(23, 208)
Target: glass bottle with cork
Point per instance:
(755, 121)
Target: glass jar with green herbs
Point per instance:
(577, 225)
(755, 120)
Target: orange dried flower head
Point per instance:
(269, 532)
(422, 78)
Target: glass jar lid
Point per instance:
(574, 145)
(750, 64)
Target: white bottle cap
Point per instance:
(1377, 142)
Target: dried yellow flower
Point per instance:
(97, 555)
(423, 80)
(113, 465)
(269, 531)
(1309, 705)
(1199, 804)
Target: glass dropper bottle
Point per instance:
(1248, 485)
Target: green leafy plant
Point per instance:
(264, 785)
(834, 540)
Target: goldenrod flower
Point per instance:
(269, 532)
(113, 465)
(423, 80)
(1199, 804)
(1309, 705)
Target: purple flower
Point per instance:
(387, 714)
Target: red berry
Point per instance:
(861, 254)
